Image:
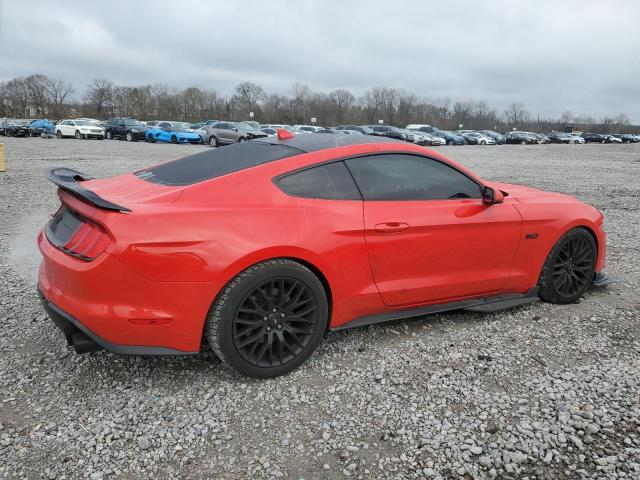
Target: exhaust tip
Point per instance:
(83, 344)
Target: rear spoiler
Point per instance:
(69, 181)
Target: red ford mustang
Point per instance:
(262, 248)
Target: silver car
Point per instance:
(225, 133)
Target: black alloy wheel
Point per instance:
(269, 319)
(109, 135)
(174, 139)
(569, 268)
(275, 322)
(129, 137)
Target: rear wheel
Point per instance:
(174, 139)
(269, 319)
(109, 135)
(59, 134)
(569, 268)
(523, 142)
(450, 142)
(129, 137)
(482, 142)
(150, 138)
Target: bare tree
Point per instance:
(516, 114)
(99, 95)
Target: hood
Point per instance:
(524, 194)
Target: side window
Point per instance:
(409, 177)
(164, 124)
(332, 181)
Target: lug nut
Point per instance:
(265, 319)
(279, 327)
(268, 329)
(275, 310)
(282, 315)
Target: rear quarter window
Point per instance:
(331, 182)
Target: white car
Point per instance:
(78, 129)
(308, 128)
(575, 138)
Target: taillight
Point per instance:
(76, 235)
(89, 241)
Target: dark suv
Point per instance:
(388, 131)
(126, 128)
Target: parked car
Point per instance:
(258, 250)
(613, 139)
(561, 137)
(431, 139)
(577, 138)
(422, 127)
(499, 138)
(594, 138)
(253, 124)
(308, 128)
(477, 138)
(451, 138)
(128, 129)
(388, 131)
(78, 129)
(40, 127)
(171, 134)
(523, 138)
(358, 128)
(271, 132)
(225, 133)
(627, 137)
(13, 129)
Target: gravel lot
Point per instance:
(538, 392)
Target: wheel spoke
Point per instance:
(248, 340)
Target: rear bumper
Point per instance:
(118, 308)
(85, 340)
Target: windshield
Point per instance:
(177, 129)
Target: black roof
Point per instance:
(220, 161)
(312, 142)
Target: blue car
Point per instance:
(449, 137)
(38, 127)
(172, 134)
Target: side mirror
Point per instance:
(491, 196)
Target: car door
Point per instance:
(67, 128)
(429, 235)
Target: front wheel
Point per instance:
(482, 142)
(523, 142)
(213, 141)
(150, 138)
(59, 134)
(450, 142)
(269, 319)
(109, 135)
(174, 139)
(129, 137)
(569, 268)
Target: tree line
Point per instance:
(41, 96)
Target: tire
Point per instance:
(78, 135)
(129, 137)
(241, 139)
(523, 142)
(59, 134)
(109, 136)
(450, 142)
(569, 268)
(151, 139)
(174, 139)
(251, 328)
(213, 141)
(482, 142)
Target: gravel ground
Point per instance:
(537, 392)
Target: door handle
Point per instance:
(391, 227)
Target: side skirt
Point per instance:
(484, 305)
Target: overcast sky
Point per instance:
(582, 56)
